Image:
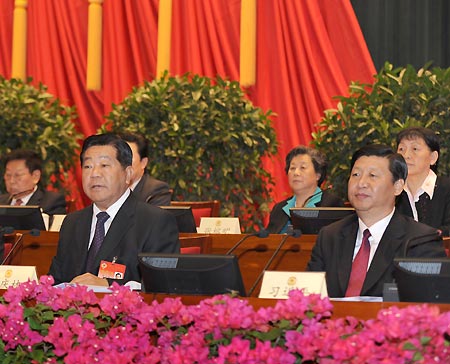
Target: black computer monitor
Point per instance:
(309, 220)
(423, 279)
(190, 274)
(21, 217)
(184, 216)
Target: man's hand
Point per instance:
(89, 279)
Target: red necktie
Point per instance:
(359, 267)
(19, 202)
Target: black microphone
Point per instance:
(260, 248)
(421, 240)
(317, 193)
(32, 232)
(295, 233)
(263, 233)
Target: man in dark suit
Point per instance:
(131, 226)
(377, 177)
(23, 169)
(145, 187)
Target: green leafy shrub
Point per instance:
(375, 113)
(206, 140)
(31, 118)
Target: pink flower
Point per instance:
(73, 325)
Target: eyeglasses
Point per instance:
(16, 176)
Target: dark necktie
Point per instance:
(359, 267)
(18, 202)
(97, 241)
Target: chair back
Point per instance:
(446, 241)
(201, 208)
(16, 256)
(195, 244)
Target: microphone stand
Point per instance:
(295, 233)
(32, 232)
(261, 234)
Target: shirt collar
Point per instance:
(289, 203)
(114, 208)
(428, 186)
(376, 230)
(26, 198)
(133, 186)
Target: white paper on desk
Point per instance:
(219, 225)
(358, 299)
(133, 285)
(46, 219)
(96, 289)
(277, 284)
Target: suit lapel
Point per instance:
(348, 238)
(140, 186)
(121, 224)
(390, 243)
(81, 238)
(36, 198)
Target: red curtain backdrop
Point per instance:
(307, 52)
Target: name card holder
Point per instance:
(13, 275)
(57, 222)
(219, 225)
(277, 285)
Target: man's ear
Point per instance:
(128, 174)
(36, 176)
(144, 162)
(398, 186)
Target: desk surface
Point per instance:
(253, 253)
(38, 251)
(360, 310)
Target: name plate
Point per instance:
(219, 225)
(57, 222)
(13, 275)
(278, 284)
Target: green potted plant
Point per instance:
(31, 118)
(206, 140)
(375, 113)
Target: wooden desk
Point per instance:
(360, 310)
(38, 251)
(253, 253)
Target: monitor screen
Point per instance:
(192, 274)
(423, 279)
(309, 220)
(184, 216)
(21, 217)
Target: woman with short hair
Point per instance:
(306, 169)
(426, 196)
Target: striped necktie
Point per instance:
(97, 241)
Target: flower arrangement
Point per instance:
(40, 323)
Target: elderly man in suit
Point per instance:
(117, 226)
(23, 169)
(357, 252)
(145, 187)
